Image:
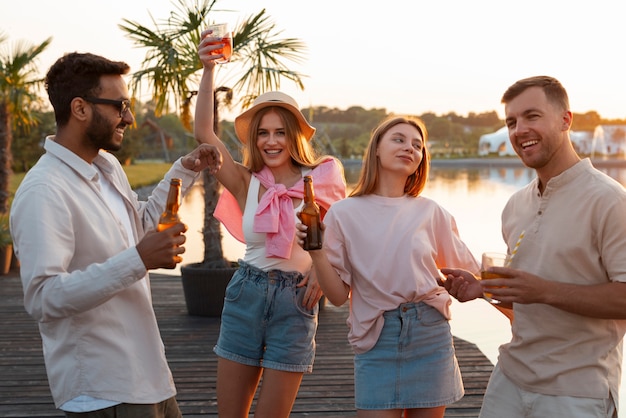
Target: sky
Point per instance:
(408, 57)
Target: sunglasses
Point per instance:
(122, 105)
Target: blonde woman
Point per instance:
(383, 248)
(269, 318)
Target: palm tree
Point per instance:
(171, 67)
(18, 85)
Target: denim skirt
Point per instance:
(413, 364)
(264, 323)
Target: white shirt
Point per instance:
(84, 281)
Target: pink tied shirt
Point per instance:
(275, 215)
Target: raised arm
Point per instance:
(232, 175)
(204, 116)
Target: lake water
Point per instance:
(475, 193)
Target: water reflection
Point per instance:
(513, 174)
(474, 194)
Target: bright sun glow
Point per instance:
(406, 57)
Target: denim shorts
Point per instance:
(264, 323)
(413, 364)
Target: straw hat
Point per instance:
(272, 98)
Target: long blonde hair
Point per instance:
(368, 179)
(300, 149)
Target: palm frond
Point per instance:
(20, 82)
(264, 56)
(171, 65)
(171, 56)
(18, 85)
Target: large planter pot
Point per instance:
(204, 288)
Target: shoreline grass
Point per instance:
(139, 175)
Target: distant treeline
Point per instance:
(343, 133)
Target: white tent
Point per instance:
(496, 143)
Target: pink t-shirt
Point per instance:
(389, 251)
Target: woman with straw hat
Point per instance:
(269, 319)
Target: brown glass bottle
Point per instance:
(310, 216)
(170, 216)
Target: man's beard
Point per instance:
(100, 133)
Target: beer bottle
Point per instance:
(170, 216)
(310, 216)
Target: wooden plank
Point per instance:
(189, 341)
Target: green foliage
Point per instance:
(134, 136)
(18, 96)
(154, 137)
(342, 133)
(145, 174)
(261, 53)
(132, 145)
(171, 58)
(19, 81)
(346, 133)
(27, 146)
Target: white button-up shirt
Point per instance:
(84, 281)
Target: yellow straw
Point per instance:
(519, 241)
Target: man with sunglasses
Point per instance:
(85, 243)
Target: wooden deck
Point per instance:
(327, 392)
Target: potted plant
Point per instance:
(6, 245)
(204, 283)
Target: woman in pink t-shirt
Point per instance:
(383, 248)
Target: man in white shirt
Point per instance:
(85, 243)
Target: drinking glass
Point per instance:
(492, 259)
(221, 30)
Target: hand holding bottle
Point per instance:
(310, 216)
(163, 249)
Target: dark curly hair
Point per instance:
(77, 74)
